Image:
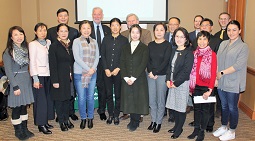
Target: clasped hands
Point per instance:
(115, 72)
(130, 80)
(170, 84)
(152, 76)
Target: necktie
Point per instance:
(98, 37)
(170, 37)
(221, 34)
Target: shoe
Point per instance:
(48, 126)
(188, 109)
(171, 119)
(174, 137)
(4, 115)
(116, 121)
(109, 120)
(141, 119)
(194, 134)
(152, 126)
(63, 127)
(124, 117)
(157, 128)
(19, 132)
(25, 129)
(133, 126)
(171, 130)
(90, 123)
(83, 124)
(201, 135)
(220, 131)
(56, 119)
(218, 114)
(44, 129)
(69, 124)
(192, 124)
(73, 117)
(227, 136)
(129, 124)
(102, 116)
(209, 129)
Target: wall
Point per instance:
(10, 15)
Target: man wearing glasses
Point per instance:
(224, 19)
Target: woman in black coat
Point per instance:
(61, 71)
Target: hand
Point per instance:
(130, 82)
(17, 92)
(108, 73)
(172, 86)
(56, 85)
(151, 75)
(36, 85)
(155, 77)
(91, 72)
(206, 95)
(168, 84)
(115, 71)
(219, 75)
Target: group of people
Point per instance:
(145, 76)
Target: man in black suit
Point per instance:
(98, 32)
(63, 17)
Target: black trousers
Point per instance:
(71, 105)
(43, 109)
(18, 111)
(180, 118)
(110, 83)
(201, 110)
(62, 110)
(101, 88)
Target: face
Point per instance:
(233, 31)
(205, 26)
(132, 20)
(224, 20)
(180, 38)
(63, 33)
(17, 37)
(197, 22)
(115, 27)
(172, 25)
(97, 16)
(41, 32)
(135, 34)
(159, 32)
(85, 30)
(202, 42)
(63, 17)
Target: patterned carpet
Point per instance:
(103, 132)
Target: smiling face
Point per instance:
(159, 32)
(63, 17)
(205, 26)
(115, 27)
(202, 41)
(41, 32)
(180, 38)
(173, 24)
(85, 30)
(131, 20)
(135, 34)
(97, 15)
(233, 32)
(63, 33)
(224, 20)
(17, 37)
(197, 22)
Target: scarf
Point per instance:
(205, 66)
(89, 56)
(20, 55)
(65, 44)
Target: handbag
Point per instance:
(6, 88)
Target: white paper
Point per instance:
(199, 99)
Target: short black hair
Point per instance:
(84, 22)
(62, 24)
(207, 19)
(204, 34)
(160, 23)
(235, 22)
(136, 26)
(115, 20)
(62, 10)
(176, 19)
(186, 34)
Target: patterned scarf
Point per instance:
(89, 56)
(66, 44)
(205, 66)
(20, 55)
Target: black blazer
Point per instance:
(52, 34)
(192, 36)
(106, 29)
(182, 67)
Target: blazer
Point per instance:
(192, 36)
(52, 34)
(145, 37)
(225, 35)
(39, 62)
(182, 67)
(167, 34)
(106, 29)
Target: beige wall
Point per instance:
(10, 15)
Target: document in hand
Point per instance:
(199, 99)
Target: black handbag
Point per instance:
(6, 88)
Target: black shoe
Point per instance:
(19, 132)
(73, 117)
(192, 124)
(157, 128)
(3, 116)
(133, 126)
(48, 126)
(103, 116)
(116, 121)
(63, 127)
(90, 123)
(171, 119)
(201, 135)
(69, 124)
(171, 130)
(129, 124)
(152, 126)
(209, 129)
(56, 119)
(25, 129)
(44, 130)
(83, 123)
(109, 120)
(176, 136)
(194, 134)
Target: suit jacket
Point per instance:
(52, 34)
(192, 36)
(106, 29)
(167, 38)
(145, 37)
(225, 35)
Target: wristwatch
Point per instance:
(222, 73)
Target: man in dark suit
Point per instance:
(63, 17)
(197, 21)
(173, 24)
(98, 32)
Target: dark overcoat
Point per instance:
(61, 65)
(134, 98)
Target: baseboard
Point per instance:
(249, 112)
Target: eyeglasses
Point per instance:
(180, 37)
(173, 24)
(203, 25)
